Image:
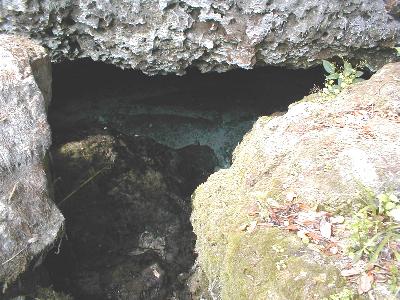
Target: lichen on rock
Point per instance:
(327, 154)
(275, 265)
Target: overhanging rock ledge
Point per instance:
(168, 36)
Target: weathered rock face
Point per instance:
(170, 36)
(327, 153)
(127, 207)
(29, 220)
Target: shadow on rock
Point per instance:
(127, 206)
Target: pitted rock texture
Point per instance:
(327, 153)
(168, 36)
(29, 220)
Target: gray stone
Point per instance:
(29, 220)
(168, 36)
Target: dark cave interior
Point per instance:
(128, 151)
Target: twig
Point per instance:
(12, 192)
(14, 256)
(30, 241)
(81, 186)
(59, 246)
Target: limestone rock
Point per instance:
(325, 153)
(168, 36)
(29, 220)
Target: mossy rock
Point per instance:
(242, 265)
(271, 264)
(328, 154)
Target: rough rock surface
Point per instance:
(171, 35)
(29, 220)
(326, 153)
(128, 227)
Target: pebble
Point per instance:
(337, 220)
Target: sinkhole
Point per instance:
(128, 151)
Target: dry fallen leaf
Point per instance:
(334, 250)
(291, 196)
(156, 274)
(302, 233)
(292, 227)
(251, 227)
(307, 216)
(325, 228)
(365, 283)
(261, 196)
(350, 272)
(304, 206)
(337, 220)
(254, 209)
(272, 202)
(243, 227)
(314, 236)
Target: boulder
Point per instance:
(29, 220)
(321, 154)
(168, 36)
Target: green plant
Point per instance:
(398, 50)
(374, 228)
(345, 294)
(394, 279)
(339, 77)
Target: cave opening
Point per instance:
(128, 151)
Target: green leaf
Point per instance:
(383, 198)
(348, 68)
(348, 72)
(379, 249)
(357, 80)
(389, 205)
(398, 50)
(393, 228)
(393, 198)
(333, 76)
(359, 73)
(357, 255)
(329, 67)
(396, 255)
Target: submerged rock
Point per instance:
(169, 36)
(127, 206)
(29, 220)
(324, 154)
